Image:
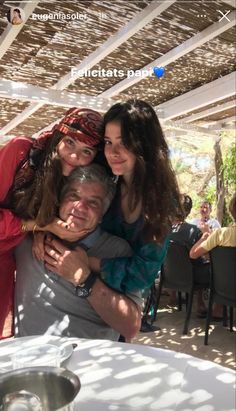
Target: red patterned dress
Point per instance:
(11, 157)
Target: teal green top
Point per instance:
(127, 274)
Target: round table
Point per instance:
(128, 377)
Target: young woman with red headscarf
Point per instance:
(32, 173)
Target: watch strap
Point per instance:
(85, 289)
(90, 280)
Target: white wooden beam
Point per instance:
(189, 128)
(134, 25)
(209, 93)
(27, 92)
(210, 111)
(186, 47)
(12, 31)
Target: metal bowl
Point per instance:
(55, 387)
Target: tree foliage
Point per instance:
(229, 169)
(193, 161)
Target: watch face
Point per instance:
(82, 292)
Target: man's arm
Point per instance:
(198, 250)
(117, 310)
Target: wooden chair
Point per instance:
(222, 284)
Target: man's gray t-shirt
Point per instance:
(46, 303)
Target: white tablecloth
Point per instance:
(128, 377)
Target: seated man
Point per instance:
(187, 234)
(224, 237)
(205, 219)
(46, 302)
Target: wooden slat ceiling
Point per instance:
(44, 51)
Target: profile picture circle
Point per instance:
(16, 16)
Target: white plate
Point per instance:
(8, 347)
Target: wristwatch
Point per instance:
(85, 289)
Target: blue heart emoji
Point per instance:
(159, 71)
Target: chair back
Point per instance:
(223, 271)
(177, 270)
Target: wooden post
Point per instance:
(220, 187)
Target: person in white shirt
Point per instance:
(205, 211)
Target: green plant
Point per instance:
(229, 169)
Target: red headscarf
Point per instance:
(82, 124)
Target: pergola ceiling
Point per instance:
(190, 38)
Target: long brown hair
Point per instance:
(39, 198)
(154, 182)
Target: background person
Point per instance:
(205, 218)
(92, 310)
(223, 237)
(32, 173)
